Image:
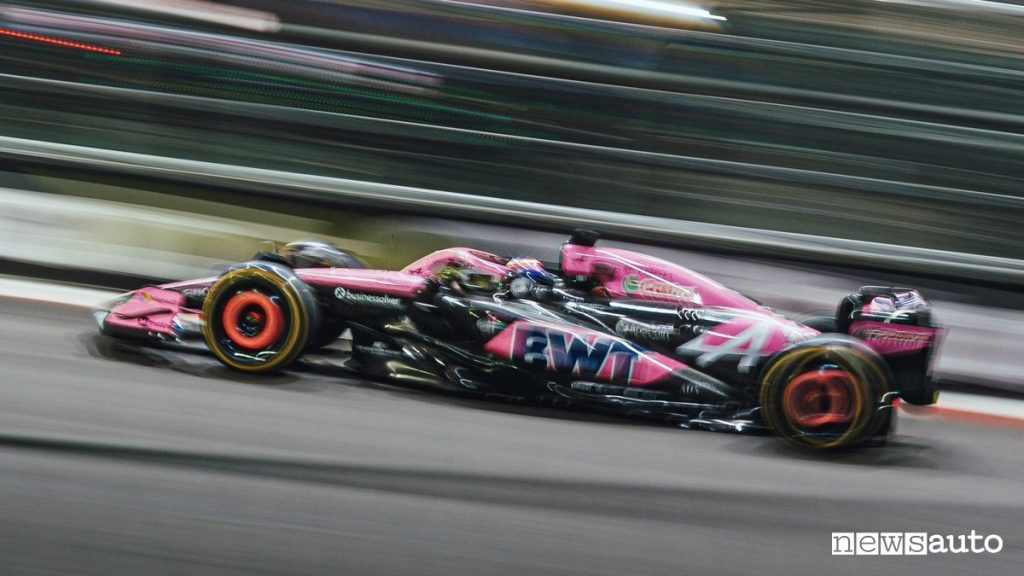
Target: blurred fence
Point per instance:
(215, 181)
(863, 122)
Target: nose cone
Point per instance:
(100, 316)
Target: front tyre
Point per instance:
(825, 394)
(259, 317)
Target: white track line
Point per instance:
(53, 292)
(960, 407)
(987, 404)
(951, 406)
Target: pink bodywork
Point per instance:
(370, 281)
(893, 339)
(600, 357)
(149, 310)
(473, 260)
(634, 276)
(750, 334)
(768, 333)
(153, 310)
(626, 275)
(411, 280)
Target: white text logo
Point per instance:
(912, 543)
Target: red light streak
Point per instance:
(58, 42)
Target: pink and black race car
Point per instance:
(605, 328)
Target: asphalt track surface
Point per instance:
(118, 459)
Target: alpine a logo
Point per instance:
(363, 299)
(748, 339)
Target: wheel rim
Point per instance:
(820, 399)
(252, 320)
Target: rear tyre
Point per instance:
(824, 322)
(317, 254)
(825, 394)
(259, 317)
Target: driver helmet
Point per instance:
(528, 278)
(529, 268)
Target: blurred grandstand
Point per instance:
(898, 123)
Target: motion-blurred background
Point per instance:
(880, 141)
(893, 122)
(793, 150)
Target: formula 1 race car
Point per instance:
(603, 327)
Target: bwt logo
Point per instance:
(912, 543)
(565, 352)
